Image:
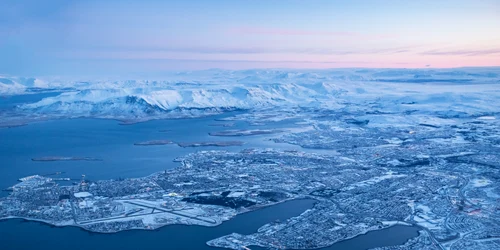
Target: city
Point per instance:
(376, 177)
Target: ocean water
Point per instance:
(11, 101)
(113, 143)
(392, 236)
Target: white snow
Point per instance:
(236, 194)
(392, 223)
(480, 182)
(472, 91)
(426, 218)
(82, 194)
(486, 118)
(447, 141)
(374, 180)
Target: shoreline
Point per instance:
(15, 122)
(219, 222)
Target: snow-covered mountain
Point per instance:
(140, 102)
(475, 91)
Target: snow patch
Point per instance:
(480, 182)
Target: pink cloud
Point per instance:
(463, 52)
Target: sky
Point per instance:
(123, 36)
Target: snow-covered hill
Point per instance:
(473, 91)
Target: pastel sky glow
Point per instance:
(83, 37)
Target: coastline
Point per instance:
(219, 222)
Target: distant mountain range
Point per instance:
(473, 91)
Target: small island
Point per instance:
(153, 143)
(222, 125)
(245, 132)
(12, 125)
(65, 158)
(210, 144)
